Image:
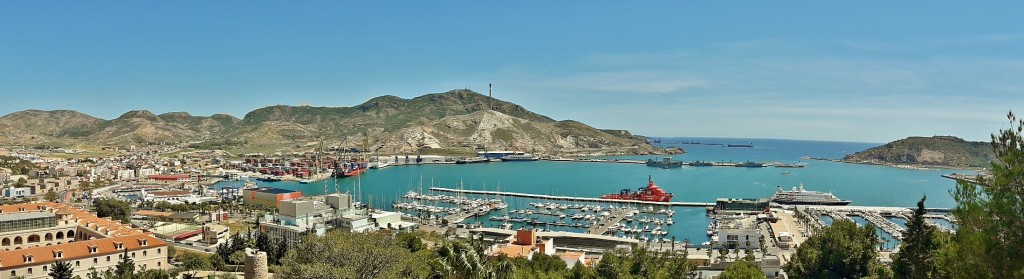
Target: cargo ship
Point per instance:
(664, 163)
(804, 197)
(701, 164)
(749, 164)
(350, 169)
(651, 193)
(516, 157)
(472, 160)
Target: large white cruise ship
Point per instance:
(801, 196)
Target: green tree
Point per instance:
(194, 261)
(843, 250)
(742, 270)
(581, 271)
(126, 267)
(61, 270)
(916, 257)
(989, 241)
(458, 260)
(115, 209)
(611, 266)
(50, 196)
(340, 254)
(237, 258)
(281, 250)
(642, 263)
(93, 274)
(21, 182)
(412, 241)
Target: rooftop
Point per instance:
(77, 250)
(24, 215)
(274, 190)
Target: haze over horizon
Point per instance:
(798, 70)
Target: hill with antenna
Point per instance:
(457, 120)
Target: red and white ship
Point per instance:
(651, 193)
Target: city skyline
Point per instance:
(812, 71)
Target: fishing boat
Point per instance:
(651, 193)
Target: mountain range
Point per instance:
(456, 120)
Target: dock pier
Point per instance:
(567, 198)
(616, 216)
(887, 226)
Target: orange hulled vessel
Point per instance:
(651, 193)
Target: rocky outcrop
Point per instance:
(928, 151)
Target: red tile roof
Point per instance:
(76, 250)
(131, 238)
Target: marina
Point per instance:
(695, 188)
(568, 198)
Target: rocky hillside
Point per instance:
(458, 119)
(935, 151)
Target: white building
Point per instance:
(17, 192)
(739, 233)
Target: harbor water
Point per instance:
(863, 184)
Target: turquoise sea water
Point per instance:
(863, 184)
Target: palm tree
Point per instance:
(458, 260)
(505, 269)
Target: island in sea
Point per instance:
(936, 151)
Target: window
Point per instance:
(95, 260)
(29, 270)
(14, 273)
(78, 263)
(158, 250)
(133, 255)
(143, 253)
(108, 259)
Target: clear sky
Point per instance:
(870, 71)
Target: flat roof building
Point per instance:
(268, 196)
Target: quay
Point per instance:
(590, 242)
(566, 198)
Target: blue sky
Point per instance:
(864, 71)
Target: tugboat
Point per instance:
(651, 193)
